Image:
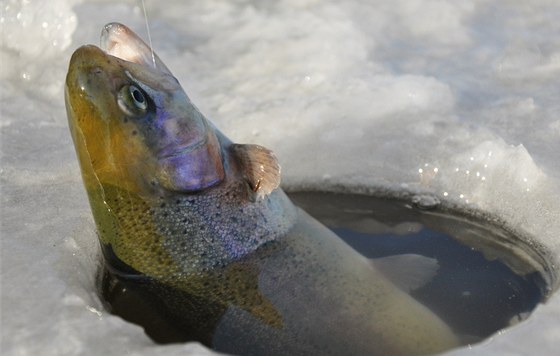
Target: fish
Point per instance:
(202, 227)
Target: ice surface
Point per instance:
(454, 99)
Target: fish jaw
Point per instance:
(120, 41)
(166, 146)
(99, 142)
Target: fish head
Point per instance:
(132, 124)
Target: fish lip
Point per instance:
(120, 41)
(112, 36)
(172, 151)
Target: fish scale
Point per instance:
(204, 231)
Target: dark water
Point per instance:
(476, 296)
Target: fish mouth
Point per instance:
(119, 41)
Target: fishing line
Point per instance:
(149, 35)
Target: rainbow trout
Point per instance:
(201, 225)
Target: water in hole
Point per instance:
(474, 291)
(474, 294)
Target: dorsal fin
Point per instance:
(259, 167)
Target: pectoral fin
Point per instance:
(240, 284)
(233, 286)
(407, 271)
(259, 167)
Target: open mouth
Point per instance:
(119, 41)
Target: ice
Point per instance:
(457, 101)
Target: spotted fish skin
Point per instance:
(198, 231)
(198, 227)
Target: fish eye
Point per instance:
(132, 100)
(138, 97)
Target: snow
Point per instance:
(457, 100)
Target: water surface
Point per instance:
(474, 291)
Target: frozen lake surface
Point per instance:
(458, 100)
